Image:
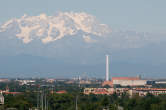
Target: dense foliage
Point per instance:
(88, 102)
(31, 98)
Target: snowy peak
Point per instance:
(51, 28)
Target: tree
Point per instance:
(105, 102)
(113, 107)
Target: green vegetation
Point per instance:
(31, 96)
(149, 102)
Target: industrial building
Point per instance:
(125, 81)
(128, 81)
(122, 81)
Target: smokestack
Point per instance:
(107, 68)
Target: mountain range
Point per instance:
(69, 44)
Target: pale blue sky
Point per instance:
(140, 15)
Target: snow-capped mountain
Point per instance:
(49, 29)
(52, 28)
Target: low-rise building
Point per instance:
(106, 91)
(4, 80)
(131, 91)
(84, 82)
(26, 82)
(50, 80)
(61, 92)
(154, 91)
(1, 99)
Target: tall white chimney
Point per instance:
(107, 68)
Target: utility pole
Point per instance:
(42, 100)
(45, 102)
(76, 103)
(38, 98)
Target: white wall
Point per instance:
(130, 82)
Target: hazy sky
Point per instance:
(140, 15)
